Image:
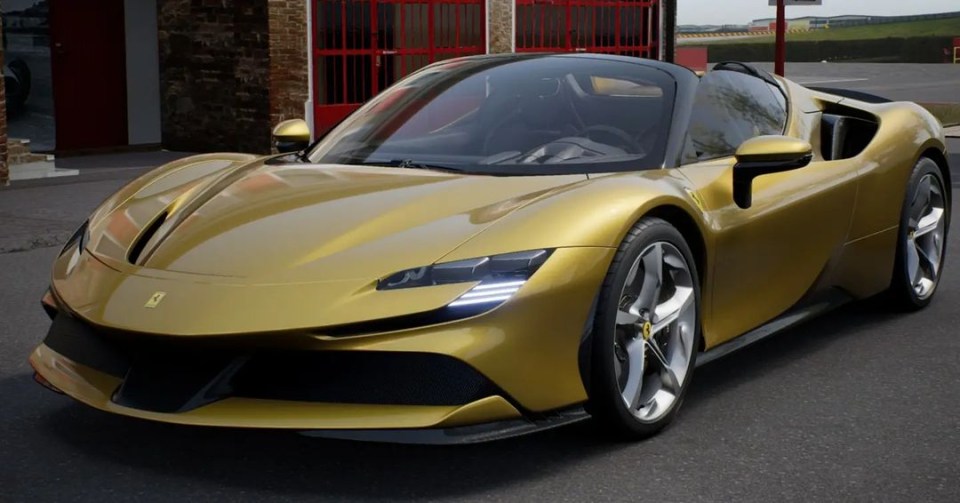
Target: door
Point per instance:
(361, 47)
(89, 73)
(770, 256)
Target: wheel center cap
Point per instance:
(647, 330)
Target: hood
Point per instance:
(302, 223)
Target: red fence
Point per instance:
(360, 47)
(630, 27)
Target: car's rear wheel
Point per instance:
(646, 336)
(921, 245)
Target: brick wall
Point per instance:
(4, 173)
(289, 86)
(214, 75)
(229, 70)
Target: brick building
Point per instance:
(207, 75)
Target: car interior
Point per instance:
(549, 120)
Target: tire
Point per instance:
(633, 319)
(921, 253)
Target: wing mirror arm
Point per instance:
(766, 155)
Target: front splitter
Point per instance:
(474, 434)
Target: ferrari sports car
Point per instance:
(494, 246)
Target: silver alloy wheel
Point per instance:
(655, 327)
(925, 235)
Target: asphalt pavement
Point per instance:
(928, 83)
(860, 405)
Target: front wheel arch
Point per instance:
(690, 231)
(688, 228)
(606, 390)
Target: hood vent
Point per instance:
(134, 256)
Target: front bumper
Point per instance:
(525, 357)
(96, 389)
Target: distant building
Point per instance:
(712, 28)
(770, 24)
(820, 23)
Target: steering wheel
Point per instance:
(620, 137)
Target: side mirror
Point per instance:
(291, 136)
(764, 155)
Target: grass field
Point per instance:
(932, 28)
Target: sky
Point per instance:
(744, 11)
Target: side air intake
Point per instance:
(845, 132)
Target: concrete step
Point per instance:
(953, 132)
(42, 169)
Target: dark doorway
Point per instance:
(26, 72)
(89, 73)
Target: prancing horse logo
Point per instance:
(647, 330)
(155, 300)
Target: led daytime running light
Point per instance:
(489, 293)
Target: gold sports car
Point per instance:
(493, 246)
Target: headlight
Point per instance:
(498, 277)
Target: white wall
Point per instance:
(143, 72)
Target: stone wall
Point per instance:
(214, 75)
(501, 25)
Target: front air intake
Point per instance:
(138, 246)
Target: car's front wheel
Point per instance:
(646, 336)
(921, 246)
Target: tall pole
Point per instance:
(669, 30)
(781, 57)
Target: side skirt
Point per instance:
(816, 307)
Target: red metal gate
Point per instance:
(629, 27)
(360, 47)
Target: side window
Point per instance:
(731, 108)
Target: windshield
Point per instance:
(538, 115)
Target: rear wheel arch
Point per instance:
(936, 155)
(907, 290)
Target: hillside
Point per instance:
(930, 28)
